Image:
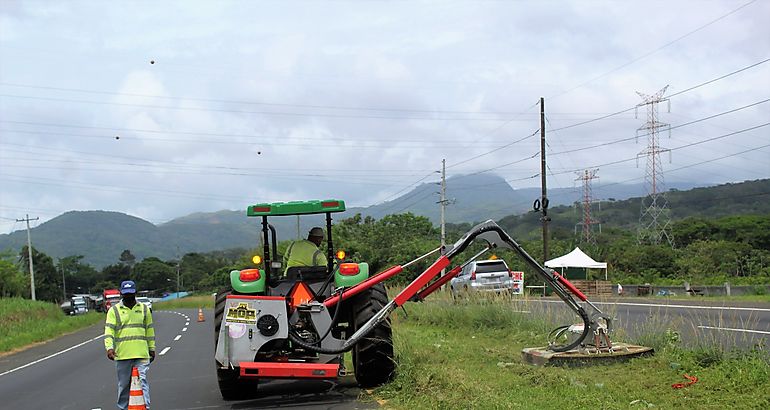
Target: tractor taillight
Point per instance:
(473, 275)
(249, 275)
(510, 273)
(349, 269)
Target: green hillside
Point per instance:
(100, 236)
(745, 198)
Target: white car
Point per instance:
(146, 301)
(487, 276)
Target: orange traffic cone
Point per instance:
(200, 315)
(136, 398)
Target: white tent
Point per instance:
(576, 259)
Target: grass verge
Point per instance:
(190, 302)
(468, 355)
(24, 322)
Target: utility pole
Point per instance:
(29, 249)
(544, 195)
(443, 203)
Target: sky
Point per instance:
(162, 109)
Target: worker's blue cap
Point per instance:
(127, 286)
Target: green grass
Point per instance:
(468, 355)
(24, 322)
(190, 302)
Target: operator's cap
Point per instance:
(318, 232)
(127, 286)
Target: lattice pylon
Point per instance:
(655, 220)
(587, 222)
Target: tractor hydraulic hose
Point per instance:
(334, 318)
(358, 335)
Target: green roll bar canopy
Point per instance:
(296, 208)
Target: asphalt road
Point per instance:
(73, 372)
(734, 325)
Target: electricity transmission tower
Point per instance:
(655, 219)
(587, 222)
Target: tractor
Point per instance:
(297, 323)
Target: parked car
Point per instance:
(488, 276)
(146, 301)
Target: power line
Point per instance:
(248, 102)
(676, 148)
(495, 150)
(672, 95)
(277, 113)
(670, 128)
(645, 55)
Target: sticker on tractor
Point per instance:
(241, 314)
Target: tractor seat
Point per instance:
(312, 275)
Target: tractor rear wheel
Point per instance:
(230, 385)
(373, 355)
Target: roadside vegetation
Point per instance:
(24, 322)
(468, 355)
(190, 302)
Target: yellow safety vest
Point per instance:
(303, 253)
(129, 331)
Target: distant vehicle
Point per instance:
(79, 305)
(487, 276)
(145, 300)
(109, 298)
(66, 307)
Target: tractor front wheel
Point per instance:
(372, 356)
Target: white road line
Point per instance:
(184, 329)
(177, 337)
(748, 309)
(761, 332)
(162, 352)
(51, 355)
(186, 324)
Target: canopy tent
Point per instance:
(576, 259)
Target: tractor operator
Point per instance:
(306, 252)
(129, 337)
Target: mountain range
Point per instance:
(100, 236)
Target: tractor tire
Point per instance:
(231, 387)
(373, 361)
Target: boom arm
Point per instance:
(494, 237)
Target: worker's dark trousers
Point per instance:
(124, 368)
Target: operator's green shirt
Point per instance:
(129, 331)
(303, 253)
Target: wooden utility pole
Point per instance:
(544, 195)
(29, 250)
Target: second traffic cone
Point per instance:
(136, 397)
(200, 315)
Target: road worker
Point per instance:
(129, 337)
(306, 252)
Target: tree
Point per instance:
(47, 281)
(155, 275)
(78, 277)
(12, 282)
(127, 258)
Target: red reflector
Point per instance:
(349, 269)
(330, 204)
(300, 294)
(260, 209)
(249, 275)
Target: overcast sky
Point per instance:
(161, 109)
